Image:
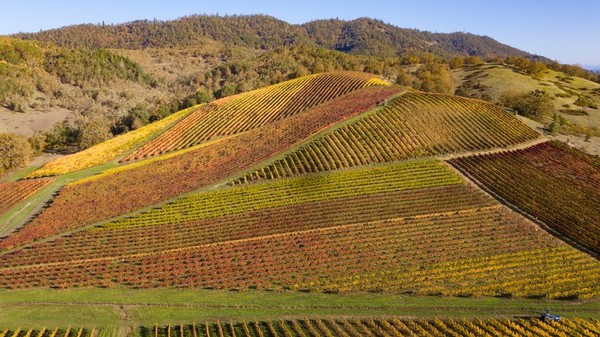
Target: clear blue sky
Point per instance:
(563, 30)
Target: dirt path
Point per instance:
(126, 329)
(592, 146)
(6, 228)
(519, 146)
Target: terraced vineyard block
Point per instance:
(412, 125)
(251, 110)
(552, 182)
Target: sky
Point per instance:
(564, 30)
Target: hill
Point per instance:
(39, 80)
(361, 36)
(176, 64)
(334, 195)
(575, 99)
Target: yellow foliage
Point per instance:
(106, 151)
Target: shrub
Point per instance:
(586, 102)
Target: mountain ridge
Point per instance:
(359, 36)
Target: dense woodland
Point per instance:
(362, 36)
(120, 77)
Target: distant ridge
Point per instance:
(594, 68)
(360, 36)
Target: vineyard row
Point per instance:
(412, 125)
(380, 327)
(125, 191)
(564, 194)
(254, 109)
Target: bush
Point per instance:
(15, 151)
(93, 131)
(585, 102)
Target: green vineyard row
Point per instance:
(378, 179)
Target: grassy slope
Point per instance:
(101, 307)
(496, 79)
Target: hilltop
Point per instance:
(307, 206)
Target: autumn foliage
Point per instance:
(143, 185)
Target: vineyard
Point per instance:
(15, 192)
(412, 125)
(143, 185)
(408, 227)
(551, 182)
(379, 327)
(301, 209)
(50, 332)
(209, 217)
(108, 150)
(256, 108)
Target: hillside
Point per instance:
(333, 203)
(573, 98)
(40, 83)
(172, 65)
(361, 36)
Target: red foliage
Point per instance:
(15, 192)
(550, 181)
(122, 192)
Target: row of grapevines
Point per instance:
(412, 125)
(558, 273)
(107, 151)
(378, 179)
(551, 183)
(46, 332)
(256, 108)
(381, 327)
(321, 214)
(144, 185)
(14, 192)
(485, 251)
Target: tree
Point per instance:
(15, 151)
(473, 60)
(536, 105)
(536, 70)
(37, 142)
(405, 79)
(554, 125)
(457, 62)
(435, 77)
(93, 131)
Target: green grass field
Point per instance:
(111, 308)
